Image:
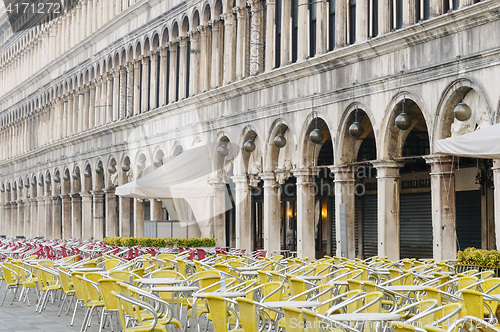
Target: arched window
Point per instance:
(373, 10)
(277, 46)
(295, 28)
(331, 25)
(312, 28)
(351, 21)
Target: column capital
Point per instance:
(110, 190)
(172, 46)
(227, 17)
(269, 179)
(137, 63)
(344, 173)
(163, 51)
(217, 183)
(65, 197)
(304, 175)
(441, 165)
(496, 164)
(387, 168)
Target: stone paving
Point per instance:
(19, 317)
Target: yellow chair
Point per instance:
(26, 280)
(46, 285)
(126, 309)
(11, 280)
(220, 314)
(91, 296)
(67, 288)
(106, 287)
(293, 319)
(491, 286)
(474, 304)
(111, 263)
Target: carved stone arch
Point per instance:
(307, 151)
(249, 162)
(165, 36)
(453, 94)
(184, 28)
(130, 54)
(195, 19)
(272, 153)
(206, 13)
(98, 175)
(392, 138)
(174, 31)
(146, 45)
(155, 41)
(347, 147)
(217, 10)
(218, 161)
(138, 50)
(76, 175)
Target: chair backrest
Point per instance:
(272, 291)
(297, 286)
(80, 291)
(66, 283)
(324, 294)
(247, 314)
(166, 274)
(373, 302)
(106, 287)
(218, 312)
(450, 313)
(111, 263)
(322, 269)
(312, 323)
(293, 319)
(491, 286)
(351, 307)
(354, 284)
(473, 302)
(121, 275)
(463, 282)
(8, 274)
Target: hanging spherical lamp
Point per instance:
(21, 185)
(99, 169)
(279, 141)
(356, 130)
(403, 121)
(14, 187)
(112, 169)
(249, 146)
(76, 175)
(8, 187)
(316, 136)
(125, 167)
(87, 173)
(47, 180)
(462, 112)
(27, 183)
(2, 188)
(158, 162)
(66, 177)
(33, 182)
(57, 178)
(40, 182)
(222, 150)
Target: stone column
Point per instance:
(40, 229)
(362, 25)
(409, 12)
(344, 196)
(56, 217)
(219, 218)
(243, 206)
(341, 23)
(20, 217)
(303, 29)
(80, 112)
(229, 47)
(94, 101)
(205, 56)
(13, 219)
(153, 89)
(217, 54)
(272, 214)
(145, 85)
(111, 222)
(464, 3)
(124, 216)
(156, 209)
(27, 218)
(172, 81)
(305, 213)
(3, 220)
(108, 81)
(443, 207)
(126, 91)
(257, 37)
(76, 216)
(138, 217)
(86, 107)
(87, 217)
(162, 93)
(136, 99)
(286, 38)
(183, 66)
(34, 217)
(116, 94)
(496, 199)
(48, 221)
(242, 43)
(388, 190)
(436, 7)
(66, 216)
(65, 120)
(321, 27)
(270, 34)
(98, 217)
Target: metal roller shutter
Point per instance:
(370, 232)
(415, 228)
(468, 219)
(332, 224)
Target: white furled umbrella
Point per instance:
(482, 143)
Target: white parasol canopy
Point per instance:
(482, 143)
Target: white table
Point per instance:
(293, 304)
(406, 288)
(176, 290)
(159, 281)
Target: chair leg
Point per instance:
(74, 312)
(4, 297)
(102, 322)
(70, 303)
(62, 305)
(15, 293)
(85, 317)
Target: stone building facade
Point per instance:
(108, 91)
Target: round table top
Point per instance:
(159, 281)
(339, 282)
(175, 289)
(406, 288)
(249, 273)
(365, 316)
(225, 294)
(294, 304)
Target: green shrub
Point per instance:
(475, 256)
(158, 242)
